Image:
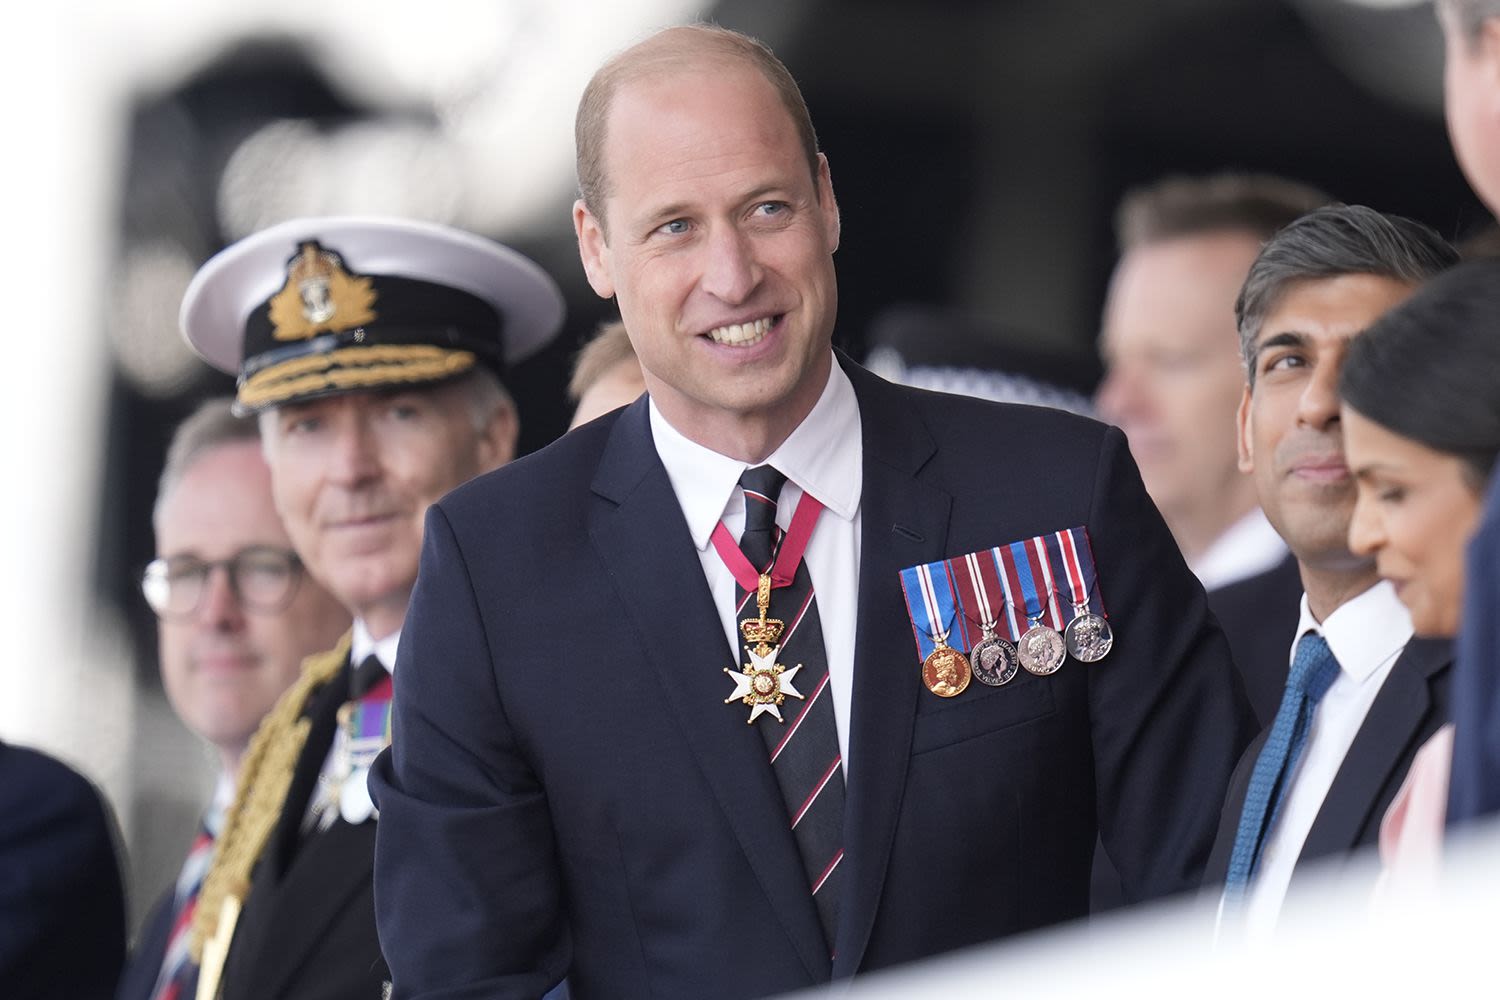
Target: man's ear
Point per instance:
(1242, 421)
(827, 205)
(497, 439)
(593, 250)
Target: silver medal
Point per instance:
(1041, 650)
(1089, 637)
(993, 659)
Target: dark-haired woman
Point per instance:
(1421, 419)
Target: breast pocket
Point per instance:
(980, 711)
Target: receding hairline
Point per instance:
(675, 51)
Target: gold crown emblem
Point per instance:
(762, 632)
(320, 295)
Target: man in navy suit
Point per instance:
(237, 614)
(573, 788)
(62, 908)
(1319, 282)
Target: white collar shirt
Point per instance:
(823, 456)
(362, 644)
(1366, 635)
(1249, 547)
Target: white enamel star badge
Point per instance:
(763, 684)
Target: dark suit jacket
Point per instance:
(62, 904)
(150, 948)
(1259, 615)
(568, 793)
(1411, 706)
(307, 930)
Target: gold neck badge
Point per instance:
(763, 684)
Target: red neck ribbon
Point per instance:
(787, 560)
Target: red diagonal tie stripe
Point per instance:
(828, 871)
(812, 700)
(822, 783)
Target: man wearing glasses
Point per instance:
(237, 616)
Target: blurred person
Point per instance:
(606, 375)
(1362, 694)
(237, 615)
(372, 352)
(571, 791)
(953, 350)
(1173, 381)
(1422, 430)
(62, 902)
(1471, 32)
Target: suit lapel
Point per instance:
(331, 868)
(904, 521)
(643, 541)
(1385, 740)
(322, 711)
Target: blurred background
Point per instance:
(978, 150)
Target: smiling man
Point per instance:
(573, 789)
(372, 351)
(1360, 697)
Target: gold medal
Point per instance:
(763, 684)
(945, 671)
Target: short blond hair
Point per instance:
(668, 49)
(609, 347)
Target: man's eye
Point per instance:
(1285, 361)
(674, 228)
(180, 571)
(771, 208)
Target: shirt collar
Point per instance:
(1248, 547)
(1363, 632)
(823, 455)
(362, 644)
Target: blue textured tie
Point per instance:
(1314, 668)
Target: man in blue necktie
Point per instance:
(1361, 694)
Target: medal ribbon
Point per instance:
(369, 725)
(1018, 569)
(784, 570)
(932, 603)
(984, 598)
(1046, 582)
(1077, 555)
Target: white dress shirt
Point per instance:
(1249, 547)
(1366, 635)
(362, 644)
(824, 457)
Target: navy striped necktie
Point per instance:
(804, 750)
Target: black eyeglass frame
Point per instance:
(156, 581)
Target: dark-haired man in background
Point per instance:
(1362, 694)
(1173, 380)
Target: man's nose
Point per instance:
(730, 270)
(219, 606)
